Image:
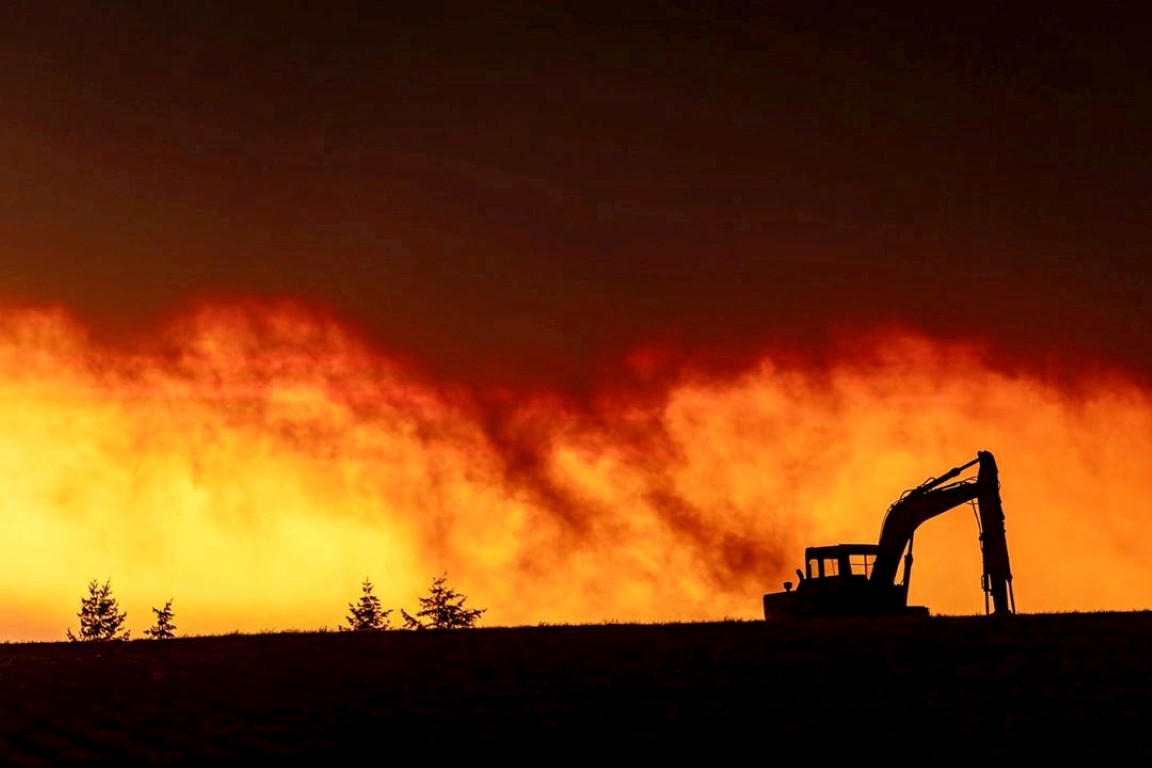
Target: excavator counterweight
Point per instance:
(861, 579)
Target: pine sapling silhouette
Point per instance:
(163, 629)
(443, 608)
(366, 614)
(100, 616)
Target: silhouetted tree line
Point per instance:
(443, 608)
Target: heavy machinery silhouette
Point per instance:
(860, 579)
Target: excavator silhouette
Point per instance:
(860, 579)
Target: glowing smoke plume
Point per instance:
(257, 463)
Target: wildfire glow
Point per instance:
(255, 464)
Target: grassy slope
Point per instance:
(1025, 685)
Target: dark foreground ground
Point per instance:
(928, 689)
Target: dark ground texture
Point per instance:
(925, 688)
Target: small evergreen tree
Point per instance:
(366, 614)
(163, 629)
(443, 608)
(100, 616)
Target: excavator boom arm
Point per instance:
(931, 499)
(908, 514)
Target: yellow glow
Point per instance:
(255, 464)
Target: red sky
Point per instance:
(535, 187)
(587, 201)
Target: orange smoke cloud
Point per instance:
(256, 463)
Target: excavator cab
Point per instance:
(836, 582)
(839, 561)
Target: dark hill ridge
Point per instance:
(1077, 684)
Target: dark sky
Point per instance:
(527, 192)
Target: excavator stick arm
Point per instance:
(993, 540)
